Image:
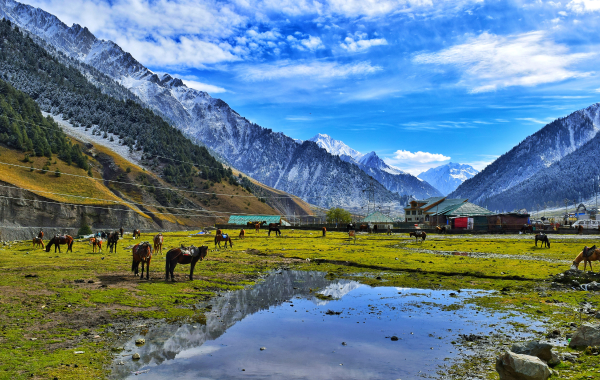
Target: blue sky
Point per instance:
(420, 82)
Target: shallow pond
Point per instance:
(307, 337)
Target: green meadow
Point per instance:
(53, 305)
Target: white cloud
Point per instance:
(421, 157)
(489, 62)
(533, 120)
(314, 70)
(311, 43)
(360, 42)
(211, 89)
(188, 51)
(583, 6)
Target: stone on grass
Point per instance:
(586, 335)
(534, 348)
(511, 366)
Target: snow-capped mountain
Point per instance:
(392, 178)
(276, 160)
(538, 151)
(446, 178)
(335, 147)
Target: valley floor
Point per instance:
(60, 313)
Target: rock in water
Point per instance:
(586, 335)
(135, 356)
(140, 342)
(511, 366)
(534, 348)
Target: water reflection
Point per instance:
(283, 315)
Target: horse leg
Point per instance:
(148, 270)
(192, 265)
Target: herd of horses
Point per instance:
(142, 252)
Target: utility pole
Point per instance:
(370, 190)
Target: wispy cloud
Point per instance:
(431, 126)
(489, 62)
(299, 118)
(211, 89)
(421, 157)
(533, 120)
(314, 70)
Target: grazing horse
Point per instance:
(257, 227)
(183, 255)
(220, 237)
(324, 231)
(121, 231)
(96, 242)
(440, 230)
(527, 229)
(274, 229)
(37, 242)
(389, 231)
(418, 234)
(219, 232)
(158, 242)
(58, 241)
(136, 233)
(543, 239)
(142, 253)
(587, 256)
(242, 234)
(112, 240)
(363, 227)
(41, 234)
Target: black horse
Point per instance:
(544, 240)
(274, 229)
(113, 238)
(350, 227)
(183, 255)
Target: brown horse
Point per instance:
(242, 234)
(257, 227)
(418, 234)
(324, 231)
(121, 231)
(158, 242)
(363, 227)
(527, 229)
(587, 256)
(219, 232)
(38, 242)
(220, 237)
(41, 235)
(580, 231)
(142, 253)
(112, 240)
(543, 239)
(136, 233)
(58, 241)
(96, 242)
(440, 230)
(183, 255)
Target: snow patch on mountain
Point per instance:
(335, 147)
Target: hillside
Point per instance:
(70, 182)
(271, 158)
(538, 151)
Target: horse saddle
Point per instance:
(225, 236)
(588, 251)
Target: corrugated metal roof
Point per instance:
(244, 219)
(446, 205)
(432, 200)
(465, 209)
(377, 217)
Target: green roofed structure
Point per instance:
(378, 219)
(243, 220)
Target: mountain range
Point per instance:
(392, 178)
(554, 163)
(272, 158)
(447, 178)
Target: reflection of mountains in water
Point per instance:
(165, 342)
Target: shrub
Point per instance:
(84, 229)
